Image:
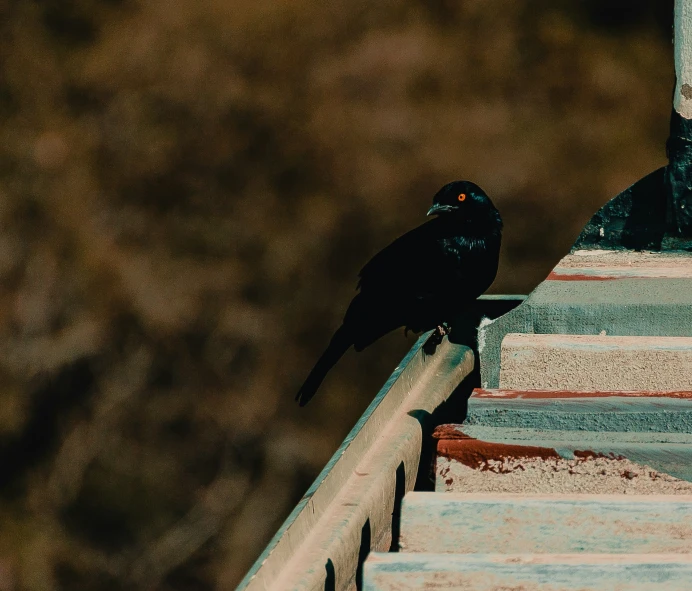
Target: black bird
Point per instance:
(422, 279)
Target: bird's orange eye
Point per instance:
(462, 197)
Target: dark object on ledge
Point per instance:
(678, 178)
(656, 212)
(423, 279)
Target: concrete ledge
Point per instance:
(587, 362)
(516, 523)
(409, 572)
(348, 510)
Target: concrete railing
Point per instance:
(349, 509)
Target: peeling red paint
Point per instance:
(499, 394)
(582, 277)
(449, 432)
(476, 454)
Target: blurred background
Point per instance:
(187, 192)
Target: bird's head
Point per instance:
(461, 198)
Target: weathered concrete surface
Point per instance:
(587, 362)
(660, 413)
(520, 523)
(484, 470)
(526, 572)
(621, 293)
(348, 510)
(599, 264)
(650, 428)
(665, 453)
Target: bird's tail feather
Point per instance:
(339, 344)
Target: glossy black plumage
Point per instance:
(422, 279)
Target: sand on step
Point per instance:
(589, 475)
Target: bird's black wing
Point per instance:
(389, 286)
(404, 263)
(409, 283)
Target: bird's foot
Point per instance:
(435, 339)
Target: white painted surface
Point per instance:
(682, 100)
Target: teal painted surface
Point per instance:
(512, 524)
(399, 572)
(494, 297)
(620, 414)
(573, 437)
(646, 293)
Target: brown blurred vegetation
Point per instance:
(187, 191)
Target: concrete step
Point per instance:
(621, 293)
(532, 461)
(628, 442)
(643, 411)
(520, 523)
(527, 572)
(595, 362)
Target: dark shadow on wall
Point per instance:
(453, 410)
(399, 492)
(330, 578)
(365, 543)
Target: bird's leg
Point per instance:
(442, 329)
(435, 338)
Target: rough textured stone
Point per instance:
(583, 362)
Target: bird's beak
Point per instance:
(439, 208)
